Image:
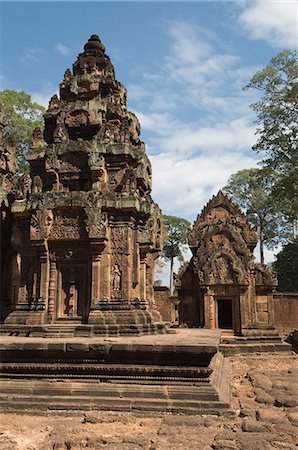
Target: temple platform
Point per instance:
(176, 373)
(258, 341)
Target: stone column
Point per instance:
(207, 309)
(105, 276)
(52, 292)
(44, 274)
(213, 312)
(95, 277)
(143, 280)
(21, 282)
(16, 278)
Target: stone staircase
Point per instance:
(255, 343)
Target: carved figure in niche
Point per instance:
(37, 184)
(54, 102)
(96, 222)
(60, 130)
(53, 164)
(223, 270)
(37, 138)
(112, 131)
(8, 159)
(96, 160)
(23, 187)
(116, 278)
(32, 281)
(95, 70)
(129, 181)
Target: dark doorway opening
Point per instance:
(225, 314)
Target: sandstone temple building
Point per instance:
(81, 233)
(222, 287)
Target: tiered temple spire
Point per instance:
(90, 232)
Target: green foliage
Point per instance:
(286, 267)
(176, 241)
(23, 116)
(177, 230)
(251, 189)
(277, 117)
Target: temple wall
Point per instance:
(285, 306)
(163, 302)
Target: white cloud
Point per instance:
(43, 96)
(183, 186)
(62, 49)
(31, 56)
(186, 46)
(272, 21)
(269, 255)
(197, 118)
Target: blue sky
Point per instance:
(184, 65)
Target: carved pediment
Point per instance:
(221, 266)
(57, 225)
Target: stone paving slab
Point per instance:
(192, 340)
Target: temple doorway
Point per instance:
(72, 291)
(225, 313)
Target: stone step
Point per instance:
(35, 403)
(254, 347)
(108, 390)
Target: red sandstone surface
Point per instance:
(265, 403)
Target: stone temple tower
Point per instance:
(86, 230)
(8, 168)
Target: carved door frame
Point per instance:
(235, 305)
(78, 291)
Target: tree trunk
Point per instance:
(295, 228)
(261, 242)
(171, 276)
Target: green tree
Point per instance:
(23, 116)
(277, 118)
(286, 267)
(251, 189)
(177, 230)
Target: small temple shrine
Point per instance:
(222, 287)
(85, 231)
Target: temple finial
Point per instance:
(94, 43)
